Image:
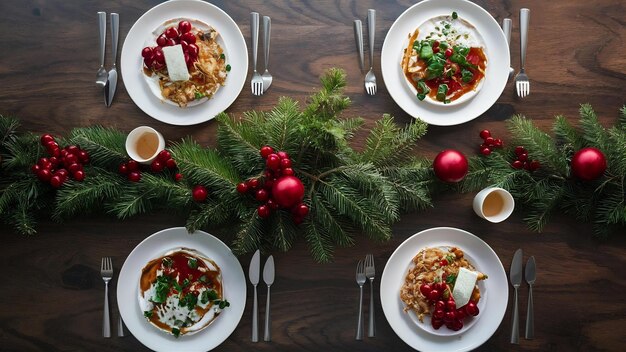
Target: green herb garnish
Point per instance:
(467, 76)
(189, 301)
(147, 314)
(198, 95)
(227, 68)
(192, 263)
(426, 52)
(176, 332)
(455, 15)
(161, 289)
(442, 91)
(422, 90)
(167, 262)
(203, 279)
(222, 56)
(451, 279)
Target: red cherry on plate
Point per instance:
(188, 38)
(170, 42)
(439, 314)
(161, 40)
(171, 33)
(184, 26)
(193, 50)
(433, 295)
(146, 52)
(425, 289)
(159, 57)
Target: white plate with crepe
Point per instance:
(156, 245)
(494, 291)
(496, 75)
(230, 38)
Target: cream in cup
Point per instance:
(144, 143)
(494, 204)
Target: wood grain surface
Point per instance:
(51, 291)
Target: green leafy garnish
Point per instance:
(455, 15)
(198, 95)
(450, 258)
(147, 314)
(467, 75)
(422, 89)
(190, 300)
(222, 56)
(443, 46)
(203, 279)
(442, 91)
(222, 304)
(162, 289)
(192, 263)
(426, 52)
(167, 262)
(451, 279)
(176, 332)
(227, 68)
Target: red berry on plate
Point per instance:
(146, 52)
(184, 45)
(438, 314)
(425, 289)
(178, 177)
(134, 176)
(519, 150)
(436, 323)
(485, 151)
(440, 305)
(70, 159)
(449, 316)
(450, 305)
(161, 40)
(170, 42)
(433, 295)
(242, 187)
(484, 134)
(471, 308)
(50, 145)
(159, 57)
(171, 33)
(123, 169)
(184, 26)
(263, 211)
(448, 52)
(460, 314)
(79, 175)
(199, 193)
(193, 51)
(188, 38)
(170, 163)
(266, 151)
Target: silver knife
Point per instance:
(516, 279)
(111, 85)
(254, 272)
(530, 273)
(268, 278)
(506, 28)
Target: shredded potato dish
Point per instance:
(437, 268)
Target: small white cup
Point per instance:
(144, 143)
(494, 204)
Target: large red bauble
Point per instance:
(450, 165)
(588, 164)
(288, 191)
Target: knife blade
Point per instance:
(253, 273)
(515, 276)
(268, 278)
(111, 85)
(530, 274)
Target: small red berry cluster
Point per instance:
(61, 163)
(445, 311)
(132, 170)
(489, 143)
(522, 161)
(278, 164)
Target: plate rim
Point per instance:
(238, 82)
(133, 304)
(388, 70)
(415, 341)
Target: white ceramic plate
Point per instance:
(494, 292)
(231, 40)
(497, 66)
(158, 244)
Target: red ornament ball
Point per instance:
(450, 165)
(288, 191)
(588, 164)
(199, 193)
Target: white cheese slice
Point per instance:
(175, 62)
(464, 286)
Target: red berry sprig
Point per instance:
(132, 169)
(199, 193)
(61, 163)
(489, 143)
(278, 188)
(523, 162)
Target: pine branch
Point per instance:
(319, 243)
(210, 214)
(8, 128)
(106, 146)
(240, 141)
(566, 134)
(622, 118)
(374, 186)
(593, 132)
(249, 237)
(387, 144)
(339, 229)
(282, 230)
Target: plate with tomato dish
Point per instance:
(445, 62)
(181, 291)
(183, 62)
(444, 289)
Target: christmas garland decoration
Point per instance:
(346, 191)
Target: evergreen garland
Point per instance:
(348, 191)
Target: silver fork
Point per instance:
(522, 84)
(267, 30)
(102, 75)
(370, 273)
(257, 80)
(106, 270)
(370, 78)
(360, 280)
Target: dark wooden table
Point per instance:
(48, 62)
